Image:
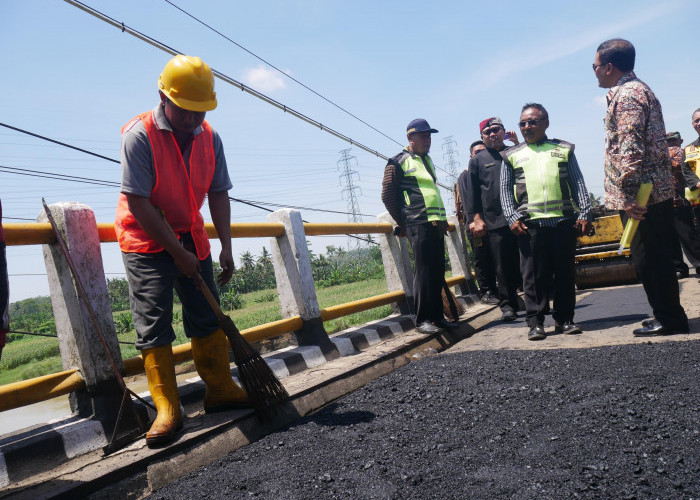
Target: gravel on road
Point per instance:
(608, 422)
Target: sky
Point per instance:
(74, 78)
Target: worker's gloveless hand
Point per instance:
(518, 228)
(635, 211)
(188, 264)
(227, 267)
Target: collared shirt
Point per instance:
(138, 168)
(579, 194)
(635, 144)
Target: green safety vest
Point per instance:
(541, 174)
(423, 202)
(692, 158)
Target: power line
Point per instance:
(280, 71)
(99, 182)
(245, 88)
(58, 142)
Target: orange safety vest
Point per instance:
(177, 194)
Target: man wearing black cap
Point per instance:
(411, 196)
(688, 238)
(483, 205)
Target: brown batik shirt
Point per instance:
(635, 144)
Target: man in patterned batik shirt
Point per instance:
(635, 152)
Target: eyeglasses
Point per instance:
(490, 131)
(532, 123)
(596, 66)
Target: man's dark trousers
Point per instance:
(428, 244)
(652, 251)
(483, 264)
(546, 259)
(504, 252)
(688, 237)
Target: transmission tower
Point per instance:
(347, 177)
(450, 155)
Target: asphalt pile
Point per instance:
(610, 422)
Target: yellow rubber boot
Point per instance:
(160, 372)
(210, 355)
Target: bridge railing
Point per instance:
(88, 375)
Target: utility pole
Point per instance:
(347, 176)
(450, 155)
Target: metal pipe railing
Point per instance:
(35, 390)
(39, 389)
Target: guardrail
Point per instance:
(295, 286)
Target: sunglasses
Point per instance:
(532, 123)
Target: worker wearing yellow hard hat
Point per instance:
(171, 160)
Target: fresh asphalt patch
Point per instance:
(615, 421)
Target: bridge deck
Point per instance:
(479, 371)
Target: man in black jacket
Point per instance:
(483, 204)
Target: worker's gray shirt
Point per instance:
(138, 168)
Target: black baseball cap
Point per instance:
(419, 125)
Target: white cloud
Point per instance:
(264, 79)
(599, 102)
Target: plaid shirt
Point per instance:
(635, 144)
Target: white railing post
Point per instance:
(458, 258)
(79, 342)
(295, 283)
(397, 265)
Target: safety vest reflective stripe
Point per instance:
(692, 158)
(541, 179)
(420, 191)
(179, 194)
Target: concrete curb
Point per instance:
(38, 449)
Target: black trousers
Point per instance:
(504, 252)
(688, 239)
(547, 262)
(428, 245)
(483, 263)
(652, 251)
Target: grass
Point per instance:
(30, 357)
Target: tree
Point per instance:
(596, 201)
(247, 260)
(118, 292)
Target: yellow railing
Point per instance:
(38, 389)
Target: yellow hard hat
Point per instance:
(189, 83)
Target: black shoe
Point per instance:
(536, 333)
(509, 315)
(427, 328)
(648, 321)
(567, 328)
(489, 299)
(446, 325)
(656, 328)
